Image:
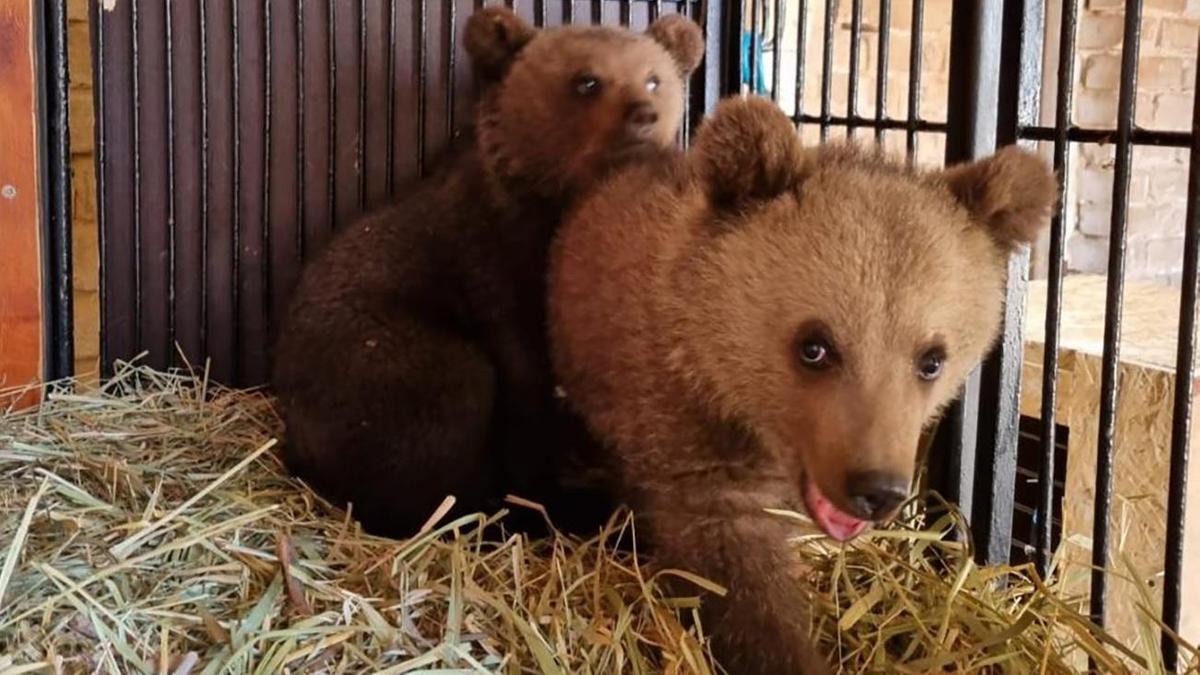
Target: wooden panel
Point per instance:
(20, 281)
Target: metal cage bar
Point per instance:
(55, 118)
(1185, 375)
(1126, 108)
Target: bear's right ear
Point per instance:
(494, 36)
(748, 150)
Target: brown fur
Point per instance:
(677, 294)
(413, 362)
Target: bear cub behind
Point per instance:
(761, 325)
(413, 361)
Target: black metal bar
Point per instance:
(55, 102)
(827, 67)
(881, 70)
(626, 13)
(777, 50)
(568, 12)
(923, 126)
(1138, 136)
(801, 54)
(96, 20)
(422, 81)
(137, 183)
(754, 43)
(362, 104)
(914, 77)
(204, 175)
(539, 13)
(391, 100)
(975, 42)
(1017, 100)
(856, 10)
(268, 95)
(1181, 416)
(172, 249)
(301, 136)
(1126, 108)
(597, 12)
(451, 61)
(236, 244)
(1054, 284)
(331, 168)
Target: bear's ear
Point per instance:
(1011, 193)
(682, 39)
(746, 151)
(494, 36)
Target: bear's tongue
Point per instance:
(834, 522)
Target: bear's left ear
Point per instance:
(1011, 193)
(747, 151)
(682, 39)
(493, 37)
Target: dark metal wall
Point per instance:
(234, 136)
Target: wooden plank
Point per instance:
(20, 282)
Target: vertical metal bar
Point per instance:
(1181, 416)
(172, 252)
(1054, 284)
(597, 12)
(97, 20)
(236, 244)
(754, 44)
(914, 79)
(362, 104)
(1110, 363)
(265, 255)
(626, 13)
(331, 169)
(723, 55)
(777, 51)
(539, 13)
(655, 10)
(975, 42)
(827, 68)
(56, 77)
(856, 11)
(801, 56)
(881, 69)
(451, 63)
(568, 12)
(1019, 71)
(137, 184)
(422, 81)
(391, 100)
(204, 174)
(301, 136)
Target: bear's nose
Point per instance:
(641, 115)
(874, 495)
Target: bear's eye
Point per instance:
(652, 83)
(929, 364)
(815, 352)
(586, 85)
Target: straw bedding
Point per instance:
(148, 527)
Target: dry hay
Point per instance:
(149, 527)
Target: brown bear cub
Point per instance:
(761, 325)
(413, 363)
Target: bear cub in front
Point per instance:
(413, 363)
(762, 325)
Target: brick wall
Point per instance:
(1158, 191)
